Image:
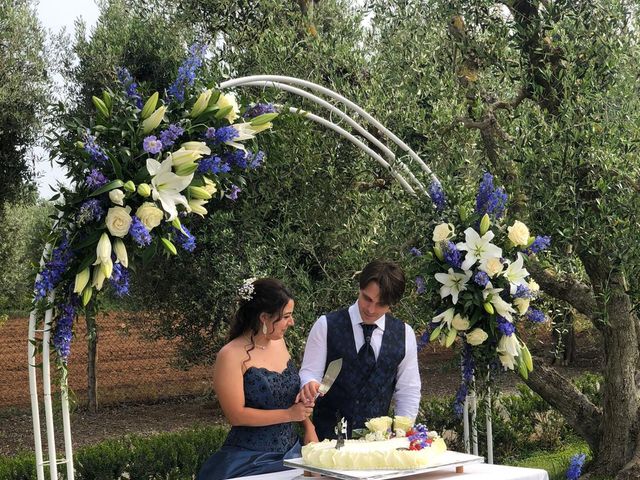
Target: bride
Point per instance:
(257, 385)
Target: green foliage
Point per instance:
(23, 226)
(24, 89)
(557, 462)
(167, 456)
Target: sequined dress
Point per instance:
(257, 450)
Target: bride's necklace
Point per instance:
(261, 347)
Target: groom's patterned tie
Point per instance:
(365, 354)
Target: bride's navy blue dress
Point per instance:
(257, 450)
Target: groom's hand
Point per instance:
(309, 392)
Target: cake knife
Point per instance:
(333, 370)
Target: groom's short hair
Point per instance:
(389, 277)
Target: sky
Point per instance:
(55, 15)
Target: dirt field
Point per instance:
(140, 392)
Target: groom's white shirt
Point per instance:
(407, 392)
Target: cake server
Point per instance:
(333, 370)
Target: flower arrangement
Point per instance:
(139, 171)
(477, 266)
(384, 428)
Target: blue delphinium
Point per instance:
(90, 211)
(255, 160)
(468, 367)
(95, 179)
(120, 280)
(260, 109)
(425, 337)
(420, 285)
(233, 194)
(452, 255)
(575, 466)
(505, 327)
(536, 316)
(187, 72)
(225, 134)
(236, 157)
(64, 330)
(538, 245)
(53, 269)
(139, 232)
(169, 135)
(130, 86)
(437, 195)
(490, 200)
(96, 153)
(522, 291)
(415, 252)
(152, 145)
(185, 239)
(481, 278)
(213, 165)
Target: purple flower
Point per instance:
(260, 109)
(186, 240)
(120, 280)
(225, 134)
(255, 160)
(536, 316)
(437, 195)
(96, 153)
(505, 327)
(187, 72)
(130, 86)
(64, 329)
(210, 133)
(575, 466)
(468, 368)
(213, 165)
(152, 145)
(95, 179)
(233, 194)
(54, 269)
(170, 135)
(237, 157)
(139, 232)
(420, 285)
(90, 211)
(426, 335)
(489, 199)
(522, 291)
(452, 255)
(415, 252)
(538, 245)
(481, 278)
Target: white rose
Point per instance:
(518, 233)
(442, 232)
(149, 215)
(522, 304)
(402, 423)
(118, 221)
(460, 323)
(492, 266)
(379, 424)
(476, 336)
(117, 196)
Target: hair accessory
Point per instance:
(246, 290)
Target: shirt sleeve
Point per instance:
(407, 392)
(315, 353)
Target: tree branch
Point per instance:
(577, 294)
(579, 412)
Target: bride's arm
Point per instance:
(310, 434)
(228, 384)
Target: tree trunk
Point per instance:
(92, 359)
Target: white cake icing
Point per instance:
(372, 455)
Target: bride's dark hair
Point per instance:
(269, 296)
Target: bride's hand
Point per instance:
(299, 411)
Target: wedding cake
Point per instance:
(382, 448)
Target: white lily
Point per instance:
(445, 317)
(516, 274)
(199, 147)
(246, 131)
(184, 156)
(166, 186)
(453, 283)
(501, 307)
(478, 248)
(197, 206)
(508, 348)
(121, 252)
(103, 257)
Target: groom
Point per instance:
(380, 361)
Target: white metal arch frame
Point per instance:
(400, 170)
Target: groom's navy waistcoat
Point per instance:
(354, 395)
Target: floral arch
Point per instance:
(188, 177)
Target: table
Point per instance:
(478, 471)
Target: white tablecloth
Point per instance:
(478, 471)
